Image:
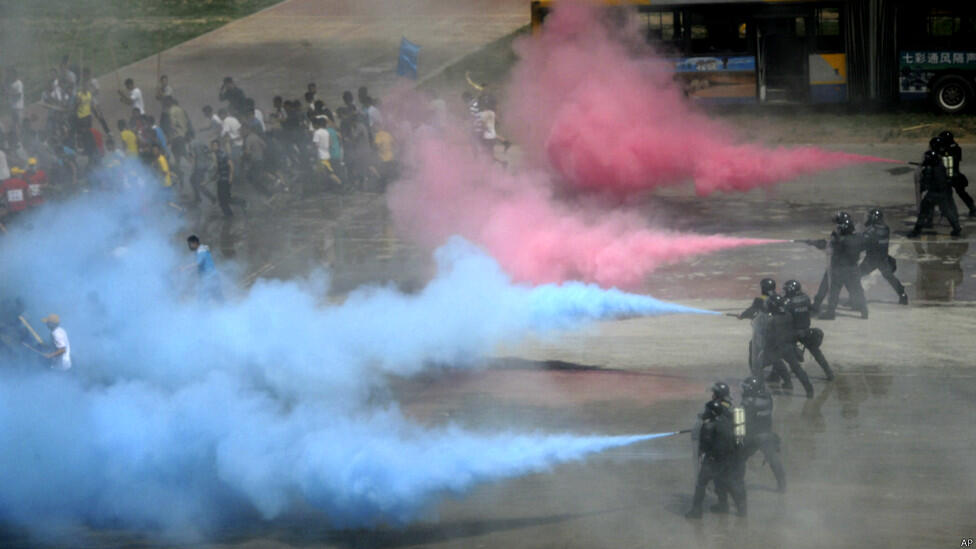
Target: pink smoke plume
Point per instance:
(451, 190)
(604, 113)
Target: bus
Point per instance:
(785, 51)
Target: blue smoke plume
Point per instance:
(179, 414)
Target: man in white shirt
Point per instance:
(373, 116)
(132, 96)
(61, 356)
(322, 141)
(16, 97)
(320, 137)
(230, 133)
(4, 167)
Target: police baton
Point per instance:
(733, 315)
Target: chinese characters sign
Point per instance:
(918, 68)
(937, 59)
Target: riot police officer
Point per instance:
(845, 252)
(781, 346)
(798, 307)
(719, 459)
(839, 218)
(722, 394)
(951, 159)
(935, 184)
(876, 234)
(758, 406)
(756, 313)
(767, 287)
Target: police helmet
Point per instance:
(846, 227)
(839, 217)
(936, 144)
(713, 408)
(874, 216)
(931, 158)
(777, 304)
(751, 385)
(792, 287)
(720, 390)
(767, 286)
(947, 137)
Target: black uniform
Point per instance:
(958, 181)
(845, 251)
(719, 459)
(760, 436)
(825, 280)
(799, 307)
(758, 306)
(876, 257)
(938, 193)
(757, 312)
(781, 347)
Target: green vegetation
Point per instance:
(841, 124)
(35, 34)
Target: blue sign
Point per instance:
(716, 64)
(407, 62)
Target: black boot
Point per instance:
(805, 381)
(720, 507)
(903, 299)
(694, 513)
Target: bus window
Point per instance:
(667, 26)
(828, 38)
(661, 29)
(942, 24)
(711, 33)
(654, 30)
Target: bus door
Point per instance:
(782, 59)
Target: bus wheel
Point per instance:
(952, 94)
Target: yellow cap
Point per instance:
(16, 171)
(32, 161)
(51, 318)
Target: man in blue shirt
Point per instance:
(209, 289)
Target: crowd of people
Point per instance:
(296, 144)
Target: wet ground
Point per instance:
(882, 456)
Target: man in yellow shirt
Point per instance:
(162, 165)
(83, 119)
(128, 139)
(385, 147)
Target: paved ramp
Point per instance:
(339, 44)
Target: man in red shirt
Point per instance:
(36, 182)
(14, 191)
